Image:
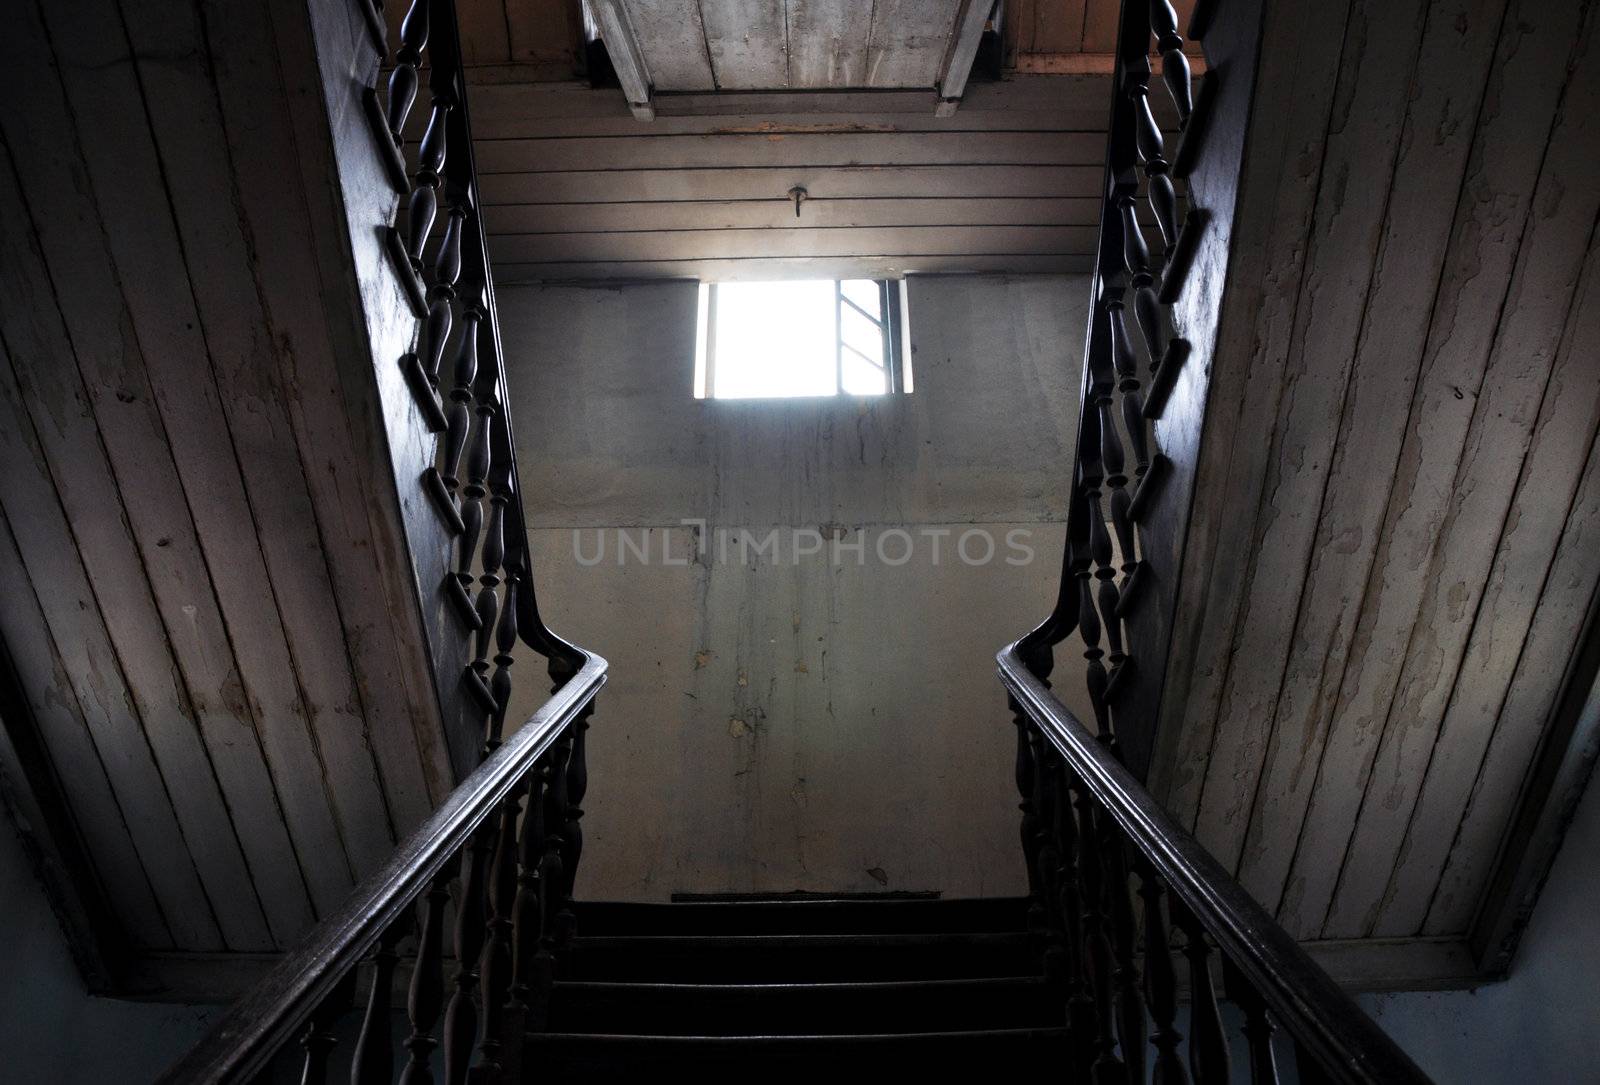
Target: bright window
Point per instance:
(819, 337)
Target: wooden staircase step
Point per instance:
(800, 958)
(918, 1006)
(809, 915)
(565, 1056)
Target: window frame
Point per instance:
(891, 327)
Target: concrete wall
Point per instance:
(1543, 1022)
(792, 721)
(51, 1028)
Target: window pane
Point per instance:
(775, 339)
(862, 334)
(861, 377)
(865, 293)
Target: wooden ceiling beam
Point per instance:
(963, 51)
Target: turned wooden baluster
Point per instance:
(423, 206)
(431, 154)
(1208, 1043)
(427, 984)
(552, 875)
(442, 294)
(1174, 65)
(1124, 938)
(457, 430)
(374, 1057)
(319, 1039)
(493, 554)
(1029, 829)
(1136, 256)
(1125, 363)
(461, 1016)
(472, 494)
(403, 79)
(505, 636)
(1258, 1026)
(1152, 152)
(1089, 632)
(496, 960)
(1080, 1006)
(461, 396)
(1112, 460)
(1107, 1068)
(572, 832)
(1105, 571)
(1045, 800)
(1160, 982)
(529, 973)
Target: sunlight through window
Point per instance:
(823, 337)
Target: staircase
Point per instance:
(867, 984)
(1080, 978)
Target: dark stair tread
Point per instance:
(789, 958)
(777, 1042)
(915, 1006)
(805, 915)
(552, 1054)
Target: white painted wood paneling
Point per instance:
(1385, 578)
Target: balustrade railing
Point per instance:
(1102, 833)
(1091, 833)
(513, 878)
(497, 862)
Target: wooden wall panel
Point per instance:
(1046, 26)
(325, 359)
(1383, 584)
(1482, 840)
(485, 30)
(1560, 444)
(154, 588)
(545, 37)
(1509, 403)
(1279, 177)
(278, 784)
(224, 643)
(1347, 219)
(1511, 140)
(308, 647)
(119, 845)
(1404, 281)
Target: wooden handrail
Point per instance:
(1347, 1045)
(250, 1034)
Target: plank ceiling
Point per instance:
(574, 188)
(699, 45)
(1392, 553)
(201, 593)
